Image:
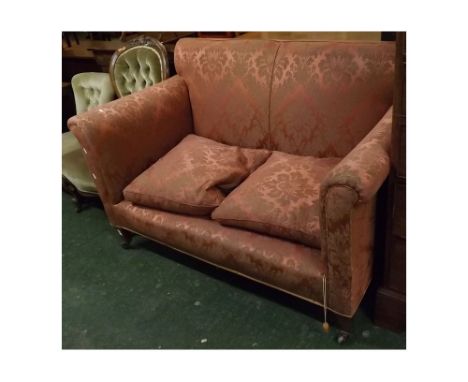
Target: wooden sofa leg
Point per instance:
(126, 237)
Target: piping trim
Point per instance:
(236, 272)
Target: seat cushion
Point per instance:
(281, 198)
(74, 166)
(191, 178)
(69, 143)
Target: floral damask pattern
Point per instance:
(365, 168)
(317, 99)
(279, 263)
(190, 178)
(347, 199)
(327, 96)
(281, 198)
(123, 137)
(338, 68)
(229, 86)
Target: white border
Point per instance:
(437, 191)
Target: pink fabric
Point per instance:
(326, 96)
(347, 199)
(190, 178)
(279, 263)
(229, 84)
(124, 137)
(281, 199)
(323, 99)
(298, 97)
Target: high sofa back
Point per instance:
(300, 97)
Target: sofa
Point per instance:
(263, 158)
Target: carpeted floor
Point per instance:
(151, 297)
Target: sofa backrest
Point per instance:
(300, 97)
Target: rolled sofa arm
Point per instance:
(124, 137)
(347, 217)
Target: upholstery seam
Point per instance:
(295, 41)
(326, 209)
(269, 225)
(270, 95)
(168, 200)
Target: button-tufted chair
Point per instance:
(90, 90)
(141, 63)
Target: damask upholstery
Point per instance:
(347, 204)
(288, 266)
(281, 199)
(229, 86)
(143, 63)
(124, 137)
(298, 97)
(191, 177)
(242, 93)
(326, 96)
(365, 168)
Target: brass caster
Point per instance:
(342, 338)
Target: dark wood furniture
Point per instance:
(66, 37)
(216, 34)
(68, 104)
(390, 299)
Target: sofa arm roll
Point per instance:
(122, 138)
(347, 217)
(365, 167)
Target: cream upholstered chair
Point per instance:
(90, 90)
(141, 63)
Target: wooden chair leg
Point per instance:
(126, 237)
(77, 199)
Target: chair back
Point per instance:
(141, 63)
(91, 89)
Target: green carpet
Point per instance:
(151, 297)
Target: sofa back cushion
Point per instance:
(229, 86)
(326, 96)
(300, 97)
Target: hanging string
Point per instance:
(325, 325)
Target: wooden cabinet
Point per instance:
(390, 300)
